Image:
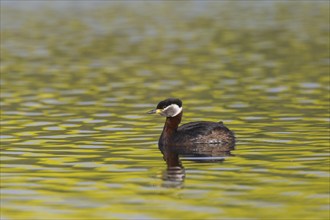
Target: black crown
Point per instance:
(169, 101)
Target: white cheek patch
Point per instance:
(172, 110)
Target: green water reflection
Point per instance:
(76, 82)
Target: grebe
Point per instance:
(205, 133)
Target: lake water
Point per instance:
(77, 80)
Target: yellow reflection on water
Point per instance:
(75, 140)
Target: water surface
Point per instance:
(76, 82)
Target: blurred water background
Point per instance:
(78, 76)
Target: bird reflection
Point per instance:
(174, 175)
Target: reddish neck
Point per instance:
(170, 127)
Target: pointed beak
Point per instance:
(154, 111)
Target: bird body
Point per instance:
(193, 133)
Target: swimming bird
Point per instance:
(201, 133)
